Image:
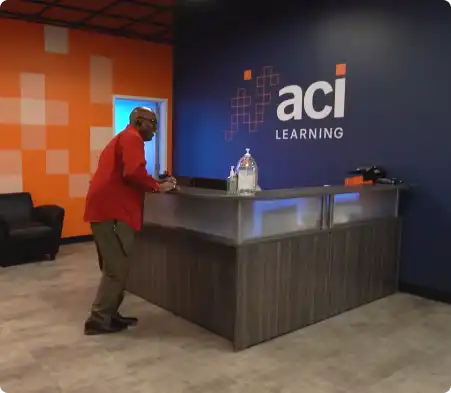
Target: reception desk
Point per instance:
(253, 268)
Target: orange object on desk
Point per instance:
(356, 181)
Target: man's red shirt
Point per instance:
(118, 188)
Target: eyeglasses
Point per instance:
(152, 120)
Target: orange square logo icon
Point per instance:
(340, 70)
(247, 75)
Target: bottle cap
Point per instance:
(248, 154)
(232, 171)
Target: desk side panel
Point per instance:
(209, 216)
(363, 206)
(187, 275)
(286, 284)
(273, 218)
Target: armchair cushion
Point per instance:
(33, 229)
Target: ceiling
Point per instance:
(149, 20)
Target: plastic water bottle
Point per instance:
(247, 171)
(232, 181)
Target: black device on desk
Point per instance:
(164, 175)
(199, 182)
(370, 173)
(209, 183)
(375, 174)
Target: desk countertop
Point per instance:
(284, 193)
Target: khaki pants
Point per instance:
(114, 240)
(99, 256)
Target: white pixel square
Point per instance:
(78, 185)
(9, 110)
(101, 80)
(10, 162)
(33, 137)
(57, 113)
(100, 137)
(94, 160)
(32, 112)
(32, 86)
(57, 162)
(10, 183)
(56, 39)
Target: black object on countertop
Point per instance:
(370, 173)
(384, 180)
(164, 175)
(198, 182)
(375, 174)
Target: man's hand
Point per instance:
(164, 180)
(167, 186)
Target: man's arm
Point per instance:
(134, 163)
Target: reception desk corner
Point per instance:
(253, 268)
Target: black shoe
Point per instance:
(129, 321)
(93, 327)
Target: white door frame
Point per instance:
(161, 142)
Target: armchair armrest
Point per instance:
(4, 228)
(51, 215)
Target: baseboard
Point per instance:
(76, 239)
(425, 292)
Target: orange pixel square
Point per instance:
(340, 70)
(247, 75)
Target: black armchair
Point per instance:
(28, 233)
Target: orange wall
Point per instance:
(56, 88)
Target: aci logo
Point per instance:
(1, 391)
(251, 104)
(1, 2)
(300, 104)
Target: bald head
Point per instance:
(145, 121)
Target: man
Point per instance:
(114, 208)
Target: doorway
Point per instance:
(156, 149)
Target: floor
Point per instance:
(400, 344)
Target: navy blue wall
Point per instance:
(398, 100)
